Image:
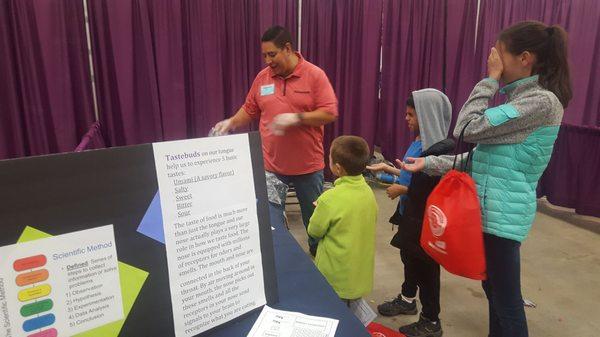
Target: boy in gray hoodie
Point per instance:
(432, 115)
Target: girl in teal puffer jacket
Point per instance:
(514, 144)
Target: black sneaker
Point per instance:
(397, 306)
(422, 328)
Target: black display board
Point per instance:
(64, 193)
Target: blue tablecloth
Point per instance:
(302, 288)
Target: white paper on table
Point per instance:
(211, 228)
(279, 323)
(361, 309)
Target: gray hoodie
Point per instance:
(434, 113)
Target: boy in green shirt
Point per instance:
(344, 221)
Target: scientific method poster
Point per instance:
(61, 285)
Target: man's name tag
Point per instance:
(268, 89)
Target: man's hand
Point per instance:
(282, 122)
(222, 128)
(395, 190)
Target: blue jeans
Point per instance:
(503, 287)
(308, 188)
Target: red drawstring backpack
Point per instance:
(452, 228)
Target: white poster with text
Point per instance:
(211, 230)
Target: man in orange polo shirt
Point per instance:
(292, 99)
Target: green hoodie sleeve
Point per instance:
(320, 220)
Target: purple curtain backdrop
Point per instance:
(571, 179)
(461, 57)
(171, 69)
(343, 38)
(413, 58)
(45, 91)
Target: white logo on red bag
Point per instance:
(378, 334)
(439, 246)
(437, 220)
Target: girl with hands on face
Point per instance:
(514, 144)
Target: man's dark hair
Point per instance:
(351, 152)
(279, 36)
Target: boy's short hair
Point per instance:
(410, 101)
(351, 152)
